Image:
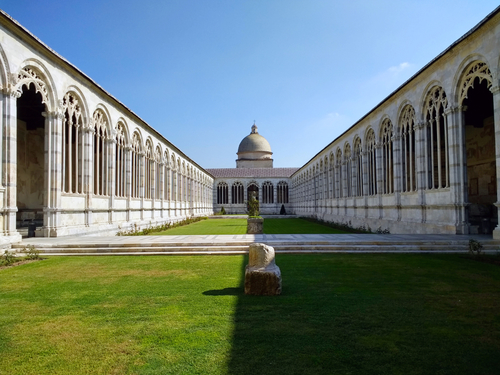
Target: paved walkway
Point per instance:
(193, 239)
(238, 244)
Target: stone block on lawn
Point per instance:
(262, 275)
(255, 225)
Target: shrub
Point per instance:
(31, 253)
(136, 231)
(253, 207)
(222, 211)
(345, 227)
(475, 247)
(8, 258)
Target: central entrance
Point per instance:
(481, 161)
(30, 159)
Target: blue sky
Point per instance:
(201, 71)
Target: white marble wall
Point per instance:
(24, 61)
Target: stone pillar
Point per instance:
(88, 176)
(128, 178)
(380, 177)
(397, 172)
(379, 172)
(366, 178)
(111, 147)
(454, 118)
(496, 114)
(161, 186)
(53, 172)
(420, 165)
(344, 181)
(142, 177)
(9, 167)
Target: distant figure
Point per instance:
(282, 211)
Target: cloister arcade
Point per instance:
(75, 160)
(233, 195)
(425, 160)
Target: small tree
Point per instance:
(222, 211)
(253, 206)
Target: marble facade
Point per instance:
(75, 159)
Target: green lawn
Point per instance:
(209, 226)
(339, 314)
(239, 226)
(296, 226)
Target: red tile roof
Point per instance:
(251, 172)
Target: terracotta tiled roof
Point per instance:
(251, 172)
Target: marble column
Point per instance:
(496, 115)
(9, 167)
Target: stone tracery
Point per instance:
(72, 145)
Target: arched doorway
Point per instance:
(252, 190)
(477, 103)
(30, 158)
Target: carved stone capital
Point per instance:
(495, 89)
(449, 110)
(12, 91)
(53, 115)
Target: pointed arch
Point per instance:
(357, 160)
(166, 175)
(348, 169)
(475, 72)
(101, 151)
(148, 169)
(136, 156)
(4, 69)
(406, 129)
(332, 176)
(436, 134)
(267, 192)
(339, 174)
(371, 155)
(121, 141)
(387, 158)
(222, 193)
(282, 192)
(33, 72)
(72, 143)
(237, 193)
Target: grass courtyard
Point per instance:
(338, 314)
(239, 226)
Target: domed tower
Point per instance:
(254, 151)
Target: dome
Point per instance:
(254, 142)
(254, 151)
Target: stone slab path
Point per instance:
(238, 244)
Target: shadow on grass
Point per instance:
(363, 315)
(224, 292)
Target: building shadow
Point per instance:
(224, 292)
(286, 334)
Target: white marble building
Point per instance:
(77, 161)
(427, 158)
(254, 172)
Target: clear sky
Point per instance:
(201, 71)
